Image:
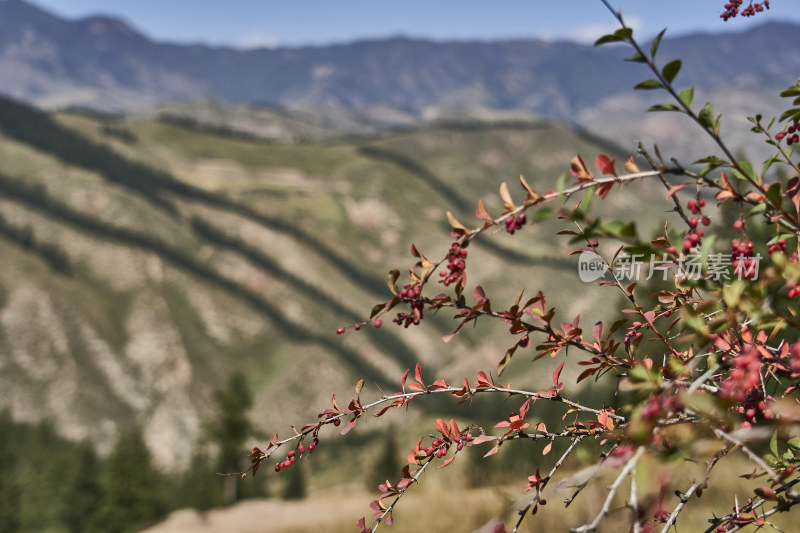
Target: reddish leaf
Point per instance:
(441, 383)
(414, 386)
(418, 374)
(523, 410)
(493, 450)
(766, 493)
(605, 164)
(403, 381)
(362, 523)
(333, 403)
(347, 427)
(389, 520)
(557, 373)
(447, 462)
(376, 505)
(442, 427)
(603, 190)
(478, 295)
(482, 439)
(546, 449)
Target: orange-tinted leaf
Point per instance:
(482, 439)
(457, 226)
(414, 386)
(482, 213)
(418, 373)
(630, 166)
(676, 188)
(506, 196)
(492, 451)
(359, 387)
(578, 169)
(547, 448)
(403, 381)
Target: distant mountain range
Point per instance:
(102, 63)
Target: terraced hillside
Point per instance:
(146, 259)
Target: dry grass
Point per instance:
(441, 503)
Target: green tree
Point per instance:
(133, 490)
(82, 491)
(9, 487)
(229, 432)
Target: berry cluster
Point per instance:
(514, 223)
(791, 134)
(695, 233)
(732, 9)
(440, 446)
(742, 260)
(633, 333)
(794, 291)
(292, 455)
(754, 408)
(778, 247)
(455, 266)
(412, 296)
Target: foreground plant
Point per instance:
(706, 349)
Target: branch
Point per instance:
(612, 490)
(523, 512)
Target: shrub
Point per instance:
(705, 353)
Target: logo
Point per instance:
(591, 267)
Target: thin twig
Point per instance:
(612, 490)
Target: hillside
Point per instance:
(144, 261)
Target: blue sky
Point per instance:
(252, 23)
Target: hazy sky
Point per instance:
(251, 23)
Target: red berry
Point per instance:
(340, 331)
(278, 467)
(311, 447)
(693, 222)
(701, 202)
(706, 221)
(301, 449)
(671, 250)
(739, 224)
(337, 422)
(290, 454)
(378, 323)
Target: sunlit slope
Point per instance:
(145, 260)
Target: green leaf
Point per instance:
(773, 444)
(671, 70)
(757, 210)
(780, 237)
(638, 57)
(664, 107)
(747, 169)
(620, 229)
(793, 114)
(607, 39)
(648, 85)
(622, 34)
(656, 42)
(774, 194)
(543, 213)
(706, 117)
(561, 183)
(686, 96)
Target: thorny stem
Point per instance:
(696, 485)
(691, 114)
(524, 512)
(612, 490)
(400, 494)
(753, 457)
(634, 504)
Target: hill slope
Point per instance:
(143, 265)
